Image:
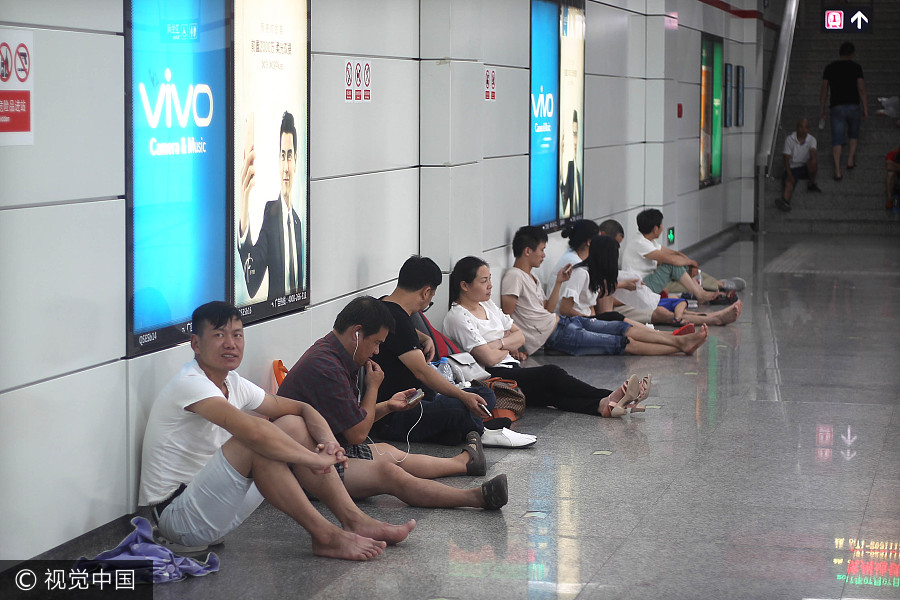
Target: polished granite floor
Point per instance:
(766, 466)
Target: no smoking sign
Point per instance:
(16, 87)
(357, 80)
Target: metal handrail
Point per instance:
(766, 149)
(779, 81)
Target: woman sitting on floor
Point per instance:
(476, 324)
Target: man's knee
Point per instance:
(295, 427)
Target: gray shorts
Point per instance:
(213, 504)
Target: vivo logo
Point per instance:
(168, 97)
(544, 106)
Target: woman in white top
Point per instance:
(478, 326)
(588, 292)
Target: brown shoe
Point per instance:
(477, 465)
(495, 492)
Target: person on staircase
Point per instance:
(800, 162)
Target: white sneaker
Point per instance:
(506, 438)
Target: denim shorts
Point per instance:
(844, 116)
(580, 336)
(214, 503)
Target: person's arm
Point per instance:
(567, 308)
(561, 277)
(374, 410)
(861, 88)
(269, 440)
(491, 353)
(508, 303)
(823, 94)
(427, 345)
(415, 362)
(671, 257)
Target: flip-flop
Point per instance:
(685, 330)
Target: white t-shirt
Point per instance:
(578, 288)
(635, 250)
(535, 321)
(177, 442)
(468, 331)
(799, 152)
(569, 258)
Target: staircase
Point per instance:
(854, 205)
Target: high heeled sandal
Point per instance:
(632, 389)
(612, 410)
(647, 381)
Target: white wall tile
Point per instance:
(614, 41)
(78, 123)
(505, 199)
(451, 29)
(66, 288)
(64, 468)
(613, 179)
(347, 138)
(361, 228)
(451, 107)
(504, 25)
(605, 96)
(95, 15)
(388, 28)
(451, 196)
(506, 121)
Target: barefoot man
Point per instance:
(208, 463)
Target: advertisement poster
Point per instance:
(544, 143)
(176, 165)
(271, 208)
(571, 112)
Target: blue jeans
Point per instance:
(841, 115)
(583, 335)
(445, 420)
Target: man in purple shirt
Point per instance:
(326, 378)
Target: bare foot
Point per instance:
(392, 534)
(348, 546)
(728, 315)
(694, 340)
(615, 397)
(707, 297)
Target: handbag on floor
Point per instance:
(510, 399)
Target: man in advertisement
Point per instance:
(278, 250)
(571, 185)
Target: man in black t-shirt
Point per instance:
(844, 78)
(448, 413)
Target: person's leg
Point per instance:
(678, 313)
(788, 189)
(702, 295)
(838, 137)
(365, 478)
(812, 168)
(662, 275)
(278, 484)
(892, 169)
(853, 123)
(444, 420)
(571, 337)
(644, 341)
(420, 465)
(551, 385)
(724, 316)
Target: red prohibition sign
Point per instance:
(349, 73)
(22, 62)
(5, 62)
(368, 74)
(358, 74)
